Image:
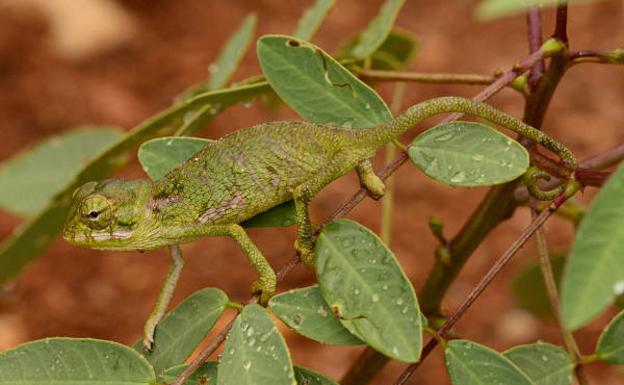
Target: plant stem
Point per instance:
(534, 28)
(387, 202)
(426, 78)
(553, 296)
(535, 225)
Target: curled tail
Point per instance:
(383, 133)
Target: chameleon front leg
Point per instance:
(267, 280)
(370, 180)
(162, 303)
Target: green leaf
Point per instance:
(308, 377)
(312, 19)
(255, 353)
(306, 312)
(470, 363)
(35, 235)
(378, 29)
(492, 9)
(30, 180)
(228, 60)
(594, 274)
(161, 155)
(207, 375)
(232, 53)
(468, 154)
(316, 86)
(529, 290)
(610, 347)
(283, 215)
(544, 364)
(74, 361)
(204, 375)
(395, 53)
(179, 333)
(362, 282)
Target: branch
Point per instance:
(561, 23)
(535, 225)
(427, 78)
(534, 29)
(587, 56)
(553, 296)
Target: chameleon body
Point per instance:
(244, 174)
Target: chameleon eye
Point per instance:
(95, 211)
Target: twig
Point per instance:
(553, 295)
(426, 78)
(534, 28)
(480, 287)
(561, 23)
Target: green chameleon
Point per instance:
(244, 174)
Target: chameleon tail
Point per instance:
(385, 132)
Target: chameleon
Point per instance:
(246, 173)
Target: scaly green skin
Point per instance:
(247, 173)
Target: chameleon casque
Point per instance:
(244, 174)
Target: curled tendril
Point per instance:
(533, 176)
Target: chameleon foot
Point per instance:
(266, 284)
(148, 342)
(375, 186)
(369, 180)
(306, 252)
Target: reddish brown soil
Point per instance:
(72, 292)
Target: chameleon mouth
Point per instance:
(98, 237)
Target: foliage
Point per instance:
(363, 296)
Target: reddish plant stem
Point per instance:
(425, 78)
(561, 23)
(480, 287)
(534, 27)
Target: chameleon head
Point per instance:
(112, 215)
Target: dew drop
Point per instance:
(247, 365)
(458, 177)
(443, 137)
(618, 287)
(477, 157)
(212, 68)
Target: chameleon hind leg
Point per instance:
(303, 194)
(164, 298)
(369, 180)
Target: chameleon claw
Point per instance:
(148, 342)
(266, 285)
(306, 252)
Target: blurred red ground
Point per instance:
(73, 292)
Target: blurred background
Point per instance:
(67, 63)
